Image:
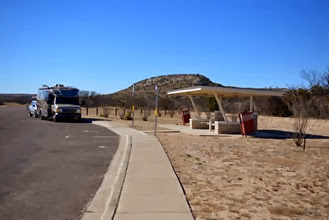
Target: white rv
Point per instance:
(58, 102)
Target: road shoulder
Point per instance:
(105, 201)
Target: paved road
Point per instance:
(50, 170)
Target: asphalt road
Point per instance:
(50, 170)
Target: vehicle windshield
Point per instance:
(67, 100)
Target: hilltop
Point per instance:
(144, 89)
(168, 82)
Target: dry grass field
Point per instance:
(250, 178)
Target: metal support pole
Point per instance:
(194, 107)
(219, 102)
(133, 108)
(156, 109)
(251, 107)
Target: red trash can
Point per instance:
(247, 123)
(185, 116)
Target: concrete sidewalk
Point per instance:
(151, 189)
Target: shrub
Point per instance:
(144, 115)
(300, 129)
(301, 101)
(121, 114)
(127, 116)
(212, 104)
(106, 112)
(208, 114)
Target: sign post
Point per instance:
(156, 109)
(133, 107)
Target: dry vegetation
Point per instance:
(232, 178)
(249, 178)
(140, 124)
(253, 178)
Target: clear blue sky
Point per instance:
(106, 46)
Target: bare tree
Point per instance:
(311, 77)
(90, 97)
(301, 100)
(325, 79)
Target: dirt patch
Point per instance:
(285, 211)
(284, 162)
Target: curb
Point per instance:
(106, 199)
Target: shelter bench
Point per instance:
(221, 127)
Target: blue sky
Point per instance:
(106, 46)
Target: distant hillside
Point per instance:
(145, 89)
(18, 98)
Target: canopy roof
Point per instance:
(223, 92)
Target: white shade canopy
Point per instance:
(224, 92)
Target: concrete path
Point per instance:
(151, 189)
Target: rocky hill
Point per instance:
(144, 89)
(166, 83)
(145, 93)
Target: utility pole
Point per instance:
(133, 108)
(156, 109)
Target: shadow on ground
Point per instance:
(83, 120)
(278, 134)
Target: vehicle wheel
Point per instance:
(30, 115)
(40, 115)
